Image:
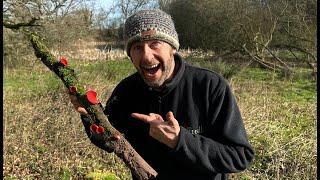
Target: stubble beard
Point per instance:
(164, 78)
(159, 82)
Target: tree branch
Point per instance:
(119, 145)
(296, 37)
(276, 57)
(19, 25)
(257, 59)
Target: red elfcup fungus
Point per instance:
(100, 130)
(64, 61)
(72, 89)
(92, 97)
(94, 128)
(97, 129)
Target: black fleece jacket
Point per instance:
(212, 140)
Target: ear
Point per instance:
(173, 50)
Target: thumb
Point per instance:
(171, 118)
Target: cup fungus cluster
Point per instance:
(90, 94)
(96, 129)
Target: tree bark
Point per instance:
(121, 147)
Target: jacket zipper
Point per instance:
(159, 104)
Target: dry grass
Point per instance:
(44, 137)
(92, 50)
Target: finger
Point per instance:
(153, 114)
(115, 137)
(156, 117)
(170, 117)
(77, 105)
(82, 110)
(143, 117)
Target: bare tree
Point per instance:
(104, 22)
(164, 5)
(21, 11)
(299, 31)
(51, 19)
(260, 27)
(128, 7)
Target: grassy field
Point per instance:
(44, 137)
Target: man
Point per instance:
(183, 120)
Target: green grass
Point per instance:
(108, 70)
(44, 137)
(285, 54)
(31, 82)
(102, 176)
(300, 88)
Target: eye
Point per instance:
(136, 47)
(155, 44)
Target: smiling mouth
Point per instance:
(152, 69)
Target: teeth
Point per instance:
(149, 67)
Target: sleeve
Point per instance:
(223, 147)
(115, 109)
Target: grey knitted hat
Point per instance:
(150, 25)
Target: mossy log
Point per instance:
(121, 147)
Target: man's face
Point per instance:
(154, 61)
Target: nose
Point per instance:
(147, 53)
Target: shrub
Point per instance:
(227, 70)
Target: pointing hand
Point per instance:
(166, 132)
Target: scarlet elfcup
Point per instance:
(63, 61)
(72, 89)
(97, 129)
(100, 130)
(94, 127)
(92, 97)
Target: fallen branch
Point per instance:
(258, 60)
(110, 138)
(285, 66)
(266, 64)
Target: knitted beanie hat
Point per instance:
(150, 25)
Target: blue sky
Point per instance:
(104, 3)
